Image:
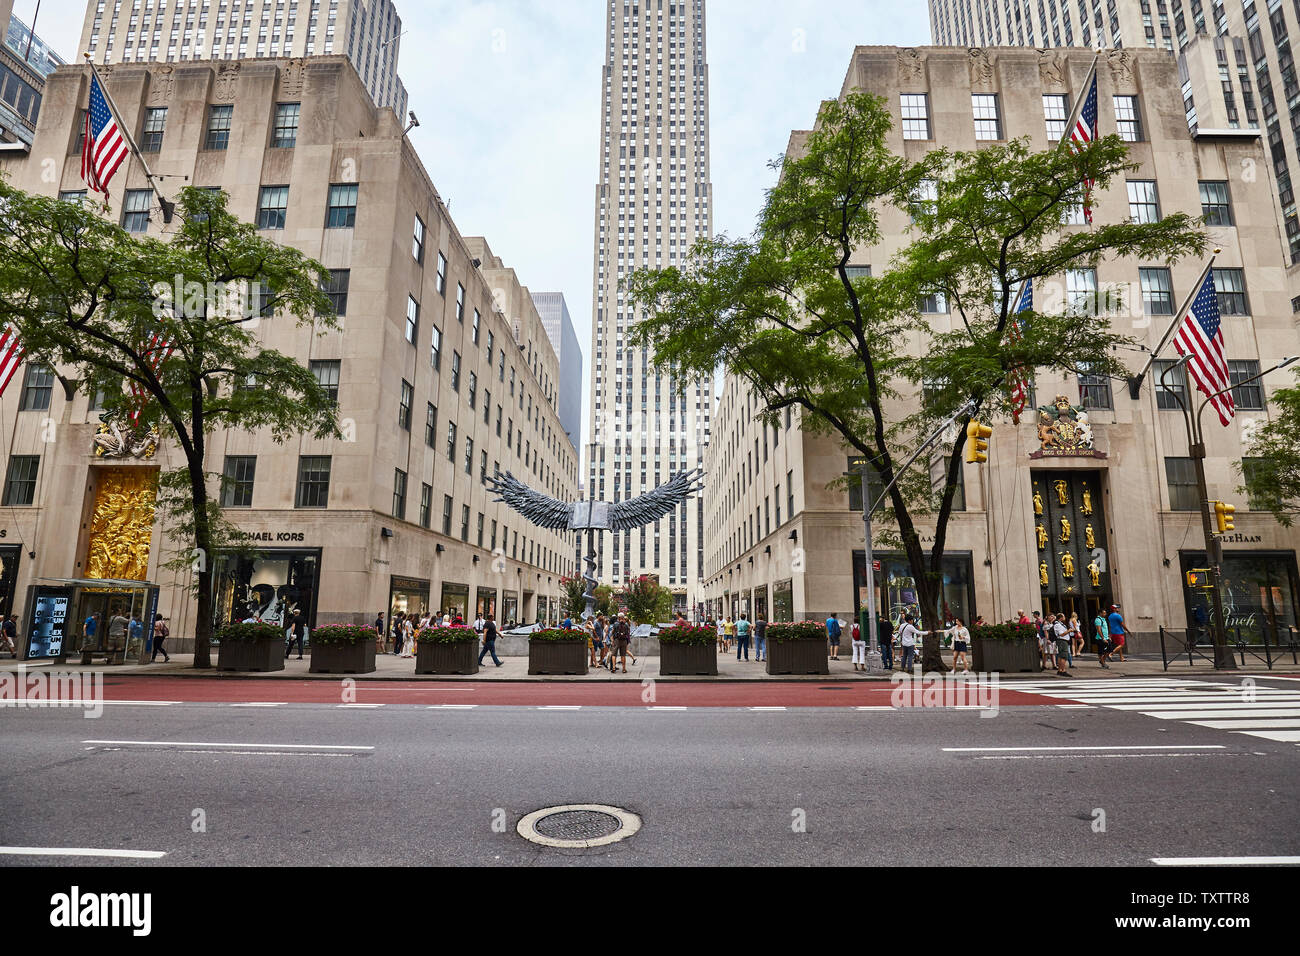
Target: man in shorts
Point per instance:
(1115, 624)
(1060, 632)
(622, 637)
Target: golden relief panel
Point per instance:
(121, 524)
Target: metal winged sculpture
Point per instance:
(592, 516)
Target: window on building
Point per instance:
(1055, 116)
(1169, 379)
(341, 211)
(336, 287)
(1157, 295)
(1143, 201)
(327, 376)
(426, 505)
(1094, 390)
(1215, 206)
(916, 115)
(151, 134)
(435, 348)
(284, 135)
(446, 514)
(417, 241)
(412, 319)
(469, 455)
(404, 406)
(874, 485)
(464, 523)
(789, 490)
(478, 320)
(1128, 119)
(272, 203)
(988, 123)
(455, 371)
(218, 134)
(1248, 397)
(1081, 291)
(451, 441)
(313, 481)
(399, 494)
(935, 302)
(1230, 289)
(431, 425)
(442, 274)
(472, 394)
(135, 210)
(1180, 474)
(460, 303)
(38, 386)
(20, 480)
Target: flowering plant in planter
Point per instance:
(343, 633)
(250, 632)
(795, 631)
(558, 634)
(1011, 631)
(683, 633)
(447, 634)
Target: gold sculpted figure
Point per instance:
(1042, 537)
(1062, 492)
(1094, 572)
(1089, 539)
(1087, 501)
(1065, 531)
(1038, 503)
(1042, 573)
(1067, 565)
(121, 524)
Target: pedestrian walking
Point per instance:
(1101, 634)
(1115, 624)
(489, 640)
(907, 635)
(381, 635)
(9, 634)
(742, 637)
(89, 632)
(885, 635)
(760, 637)
(117, 626)
(833, 634)
(297, 626)
(160, 633)
(408, 636)
(960, 645)
(729, 633)
(1061, 636)
(859, 648)
(622, 637)
(1076, 634)
(395, 626)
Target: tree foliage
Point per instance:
(96, 302)
(647, 601)
(782, 310)
(1273, 480)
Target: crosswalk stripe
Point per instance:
(1278, 723)
(1281, 736)
(1216, 714)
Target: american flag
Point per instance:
(1200, 335)
(1084, 132)
(1019, 385)
(104, 147)
(155, 353)
(11, 356)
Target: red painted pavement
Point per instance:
(534, 694)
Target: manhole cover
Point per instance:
(578, 826)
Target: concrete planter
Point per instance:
(1008, 656)
(797, 657)
(688, 658)
(251, 655)
(358, 658)
(557, 657)
(459, 658)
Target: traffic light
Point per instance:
(1199, 578)
(1223, 513)
(977, 443)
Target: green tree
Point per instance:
(605, 603)
(782, 310)
(95, 302)
(648, 602)
(1273, 480)
(571, 600)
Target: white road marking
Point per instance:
(1271, 722)
(1281, 736)
(81, 851)
(370, 706)
(205, 743)
(1098, 747)
(259, 704)
(452, 706)
(1110, 755)
(1225, 860)
(878, 707)
(665, 708)
(1217, 714)
(767, 708)
(1075, 707)
(560, 707)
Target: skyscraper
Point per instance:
(368, 32)
(652, 202)
(1234, 61)
(559, 329)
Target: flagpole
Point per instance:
(168, 207)
(1078, 100)
(1135, 382)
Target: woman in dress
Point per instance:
(408, 638)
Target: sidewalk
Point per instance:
(391, 668)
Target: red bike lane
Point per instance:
(565, 694)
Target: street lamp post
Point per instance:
(1223, 659)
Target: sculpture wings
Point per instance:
(547, 512)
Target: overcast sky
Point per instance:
(508, 97)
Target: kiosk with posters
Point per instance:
(58, 609)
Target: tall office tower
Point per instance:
(559, 329)
(368, 32)
(25, 61)
(1234, 60)
(653, 201)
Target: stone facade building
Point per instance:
(786, 542)
(441, 366)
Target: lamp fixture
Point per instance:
(794, 534)
(441, 549)
(385, 532)
(768, 549)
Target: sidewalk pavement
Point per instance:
(391, 668)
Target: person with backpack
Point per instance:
(742, 636)
(1101, 634)
(859, 648)
(833, 634)
(160, 633)
(622, 637)
(885, 635)
(907, 635)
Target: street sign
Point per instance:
(1199, 578)
(875, 565)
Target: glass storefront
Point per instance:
(896, 590)
(9, 556)
(409, 596)
(486, 602)
(760, 602)
(783, 600)
(509, 608)
(1260, 591)
(455, 599)
(269, 585)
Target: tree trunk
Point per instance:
(931, 654)
(203, 544)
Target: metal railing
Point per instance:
(1271, 650)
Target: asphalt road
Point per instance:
(811, 785)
